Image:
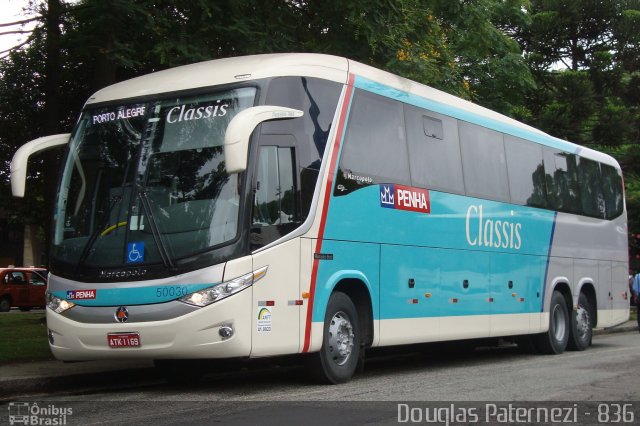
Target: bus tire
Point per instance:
(5, 304)
(555, 340)
(337, 360)
(581, 325)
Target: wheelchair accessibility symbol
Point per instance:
(135, 252)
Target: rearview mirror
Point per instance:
(236, 139)
(21, 157)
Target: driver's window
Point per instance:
(275, 208)
(17, 278)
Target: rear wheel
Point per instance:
(5, 304)
(555, 340)
(581, 325)
(338, 357)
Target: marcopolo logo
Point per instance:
(401, 197)
(30, 413)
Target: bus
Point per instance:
(309, 204)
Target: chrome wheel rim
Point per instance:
(559, 323)
(583, 322)
(341, 338)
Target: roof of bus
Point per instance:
(245, 68)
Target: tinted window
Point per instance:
(526, 172)
(375, 150)
(612, 191)
(589, 182)
(318, 100)
(562, 181)
(434, 152)
(483, 162)
(275, 211)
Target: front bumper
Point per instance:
(193, 335)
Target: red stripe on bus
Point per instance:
(325, 207)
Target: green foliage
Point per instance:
(23, 337)
(595, 97)
(569, 67)
(629, 158)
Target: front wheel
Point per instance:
(338, 357)
(5, 304)
(555, 340)
(581, 325)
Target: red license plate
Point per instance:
(124, 340)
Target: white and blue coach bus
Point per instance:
(299, 203)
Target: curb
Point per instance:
(620, 329)
(11, 388)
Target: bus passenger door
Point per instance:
(276, 310)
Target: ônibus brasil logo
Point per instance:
(402, 197)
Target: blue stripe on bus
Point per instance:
(134, 295)
(445, 109)
(439, 251)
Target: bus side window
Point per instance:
(612, 191)
(590, 184)
(525, 166)
(375, 148)
(484, 162)
(562, 181)
(434, 150)
(275, 208)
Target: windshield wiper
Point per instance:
(96, 233)
(157, 238)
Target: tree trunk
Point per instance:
(51, 108)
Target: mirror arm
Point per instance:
(21, 157)
(236, 138)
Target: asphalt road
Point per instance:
(284, 395)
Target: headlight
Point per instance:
(220, 291)
(58, 305)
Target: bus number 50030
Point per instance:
(171, 291)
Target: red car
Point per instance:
(22, 287)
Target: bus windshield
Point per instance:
(145, 183)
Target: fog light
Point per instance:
(226, 331)
(50, 334)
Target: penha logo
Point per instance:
(81, 294)
(387, 197)
(402, 197)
